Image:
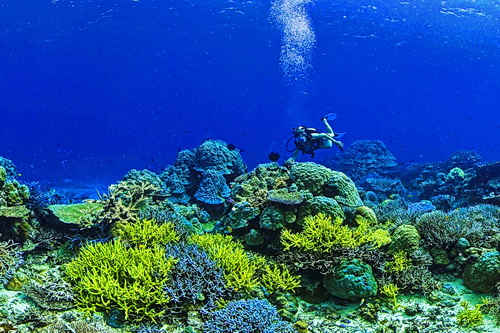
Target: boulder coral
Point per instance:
(352, 280)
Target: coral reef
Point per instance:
(207, 247)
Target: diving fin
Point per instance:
(330, 116)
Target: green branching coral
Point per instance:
(244, 271)
(146, 233)
(111, 276)
(321, 234)
(469, 317)
(399, 263)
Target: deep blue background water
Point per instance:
(91, 89)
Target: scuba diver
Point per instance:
(307, 140)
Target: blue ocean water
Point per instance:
(93, 88)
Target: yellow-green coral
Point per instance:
(108, 276)
(146, 233)
(391, 291)
(244, 271)
(84, 214)
(277, 278)
(400, 262)
(240, 272)
(469, 317)
(321, 234)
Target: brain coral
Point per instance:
(310, 176)
(343, 189)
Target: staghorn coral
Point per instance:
(246, 316)
(145, 233)
(438, 230)
(320, 234)
(243, 271)
(111, 276)
(469, 317)
(77, 326)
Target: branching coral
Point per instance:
(243, 271)
(146, 233)
(195, 279)
(10, 260)
(78, 326)
(320, 234)
(391, 291)
(469, 317)
(246, 316)
(111, 276)
(53, 293)
(400, 262)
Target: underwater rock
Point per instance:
(483, 275)
(463, 160)
(352, 280)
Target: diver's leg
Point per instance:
(295, 154)
(339, 144)
(328, 127)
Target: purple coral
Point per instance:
(196, 279)
(247, 316)
(213, 189)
